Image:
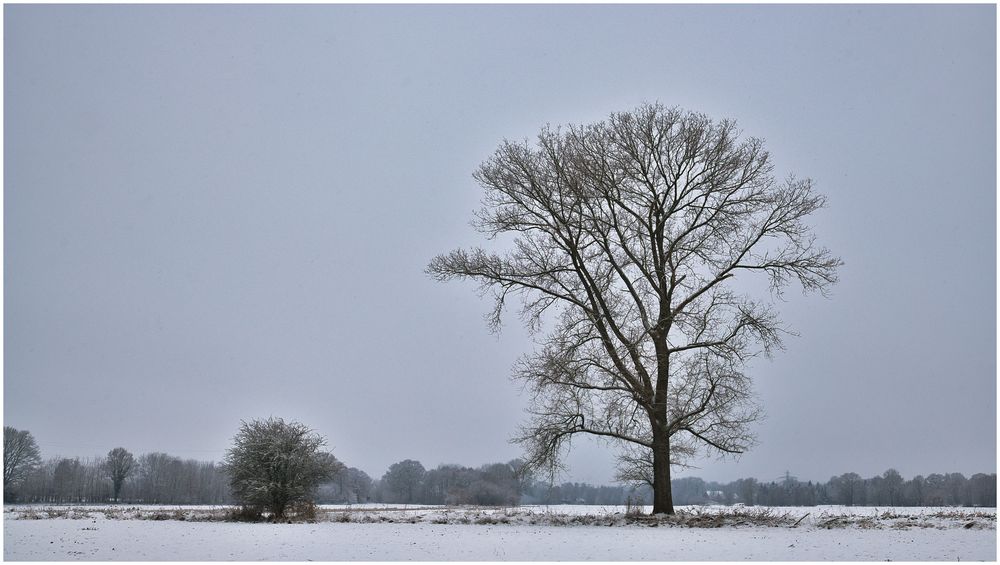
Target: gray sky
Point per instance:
(215, 213)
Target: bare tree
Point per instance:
(404, 480)
(356, 485)
(628, 235)
(847, 487)
(157, 474)
(273, 464)
(20, 455)
(892, 483)
(119, 466)
(67, 480)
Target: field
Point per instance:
(539, 533)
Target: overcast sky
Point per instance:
(216, 213)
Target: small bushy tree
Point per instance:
(274, 464)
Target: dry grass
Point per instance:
(735, 517)
(940, 519)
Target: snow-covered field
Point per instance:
(535, 533)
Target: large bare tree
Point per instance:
(20, 455)
(627, 237)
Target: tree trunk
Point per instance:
(663, 500)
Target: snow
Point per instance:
(98, 537)
(430, 510)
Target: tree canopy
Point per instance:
(627, 236)
(273, 464)
(20, 455)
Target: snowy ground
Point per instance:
(410, 533)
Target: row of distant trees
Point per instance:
(160, 478)
(495, 484)
(117, 477)
(156, 478)
(849, 489)
(499, 484)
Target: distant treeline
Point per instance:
(158, 478)
(408, 482)
(849, 489)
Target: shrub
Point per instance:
(274, 464)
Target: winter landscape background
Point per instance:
(216, 214)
